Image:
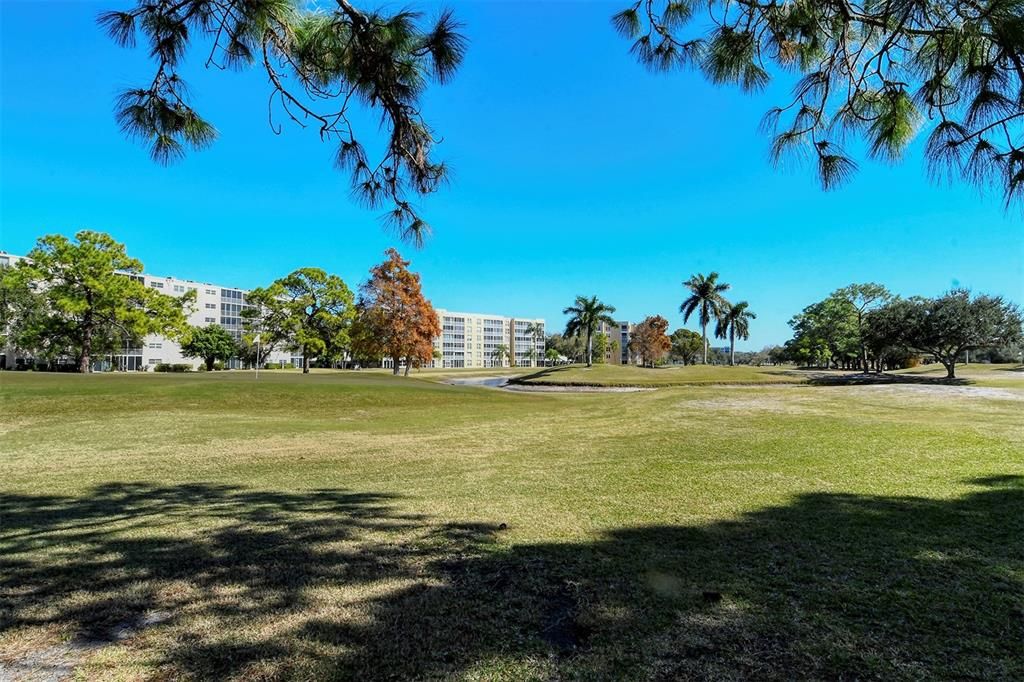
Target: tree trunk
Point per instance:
(84, 358)
(305, 359)
(950, 368)
(394, 364)
(704, 336)
(408, 364)
(732, 347)
(590, 349)
(209, 363)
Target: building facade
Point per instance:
(214, 304)
(619, 335)
(474, 340)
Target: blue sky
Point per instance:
(575, 172)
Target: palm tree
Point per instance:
(734, 323)
(536, 333)
(705, 298)
(587, 314)
(499, 354)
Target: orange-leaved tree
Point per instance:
(393, 318)
(649, 340)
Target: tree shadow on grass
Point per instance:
(876, 379)
(335, 584)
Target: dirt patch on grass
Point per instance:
(938, 391)
(58, 662)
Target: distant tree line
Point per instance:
(865, 327)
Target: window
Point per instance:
(156, 345)
(211, 306)
(179, 289)
(210, 319)
(155, 361)
(156, 285)
(211, 292)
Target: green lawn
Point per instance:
(358, 526)
(692, 375)
(714, 375)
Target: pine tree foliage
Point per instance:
(85, 296)
(309, 310)
(320, 63)
(879, 70)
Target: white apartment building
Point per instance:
(472, 339)
(214, 304)
(467, 339)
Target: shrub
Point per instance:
(218, 365)
(168, 367)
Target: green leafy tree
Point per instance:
(864, 298)
(93, 296)
(776, 354)
(310, 308)
(601, 346)
(948, 326)
(320, 63)
(210, 343)
(881, 71)
(551, 355)
(734, 323)
(883, 334)
(572, 347)
(24, 315)
(826, 332)
(686, 346)
(585, 317)
(251, 352)
(706, 300)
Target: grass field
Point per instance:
(704, 375)
(358, 526)
(692, 375)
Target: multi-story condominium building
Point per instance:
(619, 335)
(214, 304)
(467, 339)
(473, 340)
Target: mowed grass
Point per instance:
(720, 375)
(672, 375)
(358, 526)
